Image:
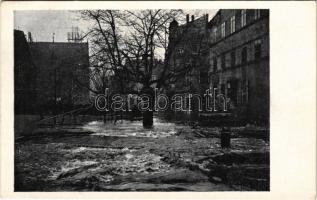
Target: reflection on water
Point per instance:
(127, 128)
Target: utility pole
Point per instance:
(55, 83)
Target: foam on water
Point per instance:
(127, 128)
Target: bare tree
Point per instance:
(127, 44)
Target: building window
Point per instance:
(153, 78)
(223, 29)
(244, 92)
(257, 14)
(187, 78)
(233, 58)
(223, 61)
(243, 18)
(57, 74)
(233, 90)
(222, 89)
(257, 49)
(180, 51)
(233, 24)
(244, 54)
(215, 65)
(215, 34)
(219, 63)
(203, 77)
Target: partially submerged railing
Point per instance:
(78, 116)
(59, 119)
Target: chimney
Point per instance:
(193, 18)
(30, 37)
(207, 18)
(187, 18)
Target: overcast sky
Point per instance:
(42, 24)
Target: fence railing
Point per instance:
(82, 115)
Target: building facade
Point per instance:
(63, 72)
(25, 74)
(229, 55)
(187, 52)
(239, 61)
(187, 46)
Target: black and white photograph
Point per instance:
(142, 100)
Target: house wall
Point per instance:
(24, 76)
(187, 43)
(229, 57)
(245, 72)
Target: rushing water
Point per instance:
(127, 157)
(125, 128)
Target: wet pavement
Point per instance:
(127, 157)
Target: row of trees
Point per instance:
(125, 45)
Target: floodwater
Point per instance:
(125, 128)
(127, 157)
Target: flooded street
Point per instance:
(125, 128)
(127, 157)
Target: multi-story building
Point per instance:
(187, 47)
(239, 60)
(25, 74)
(187, 50)
(228, 54)
(63, 72)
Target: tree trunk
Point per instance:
(148, 115)
(148, 119)
(104, 118)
